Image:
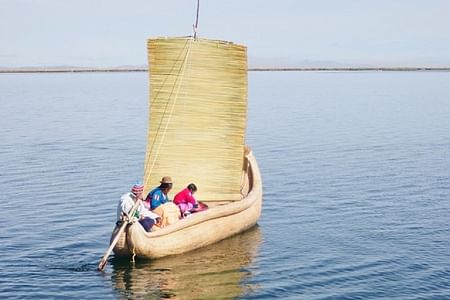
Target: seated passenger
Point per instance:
(185, 199)
(158, 201)
(146, 218)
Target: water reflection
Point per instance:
(216, 271)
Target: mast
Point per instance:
(196, 20)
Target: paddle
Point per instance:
(104, 260)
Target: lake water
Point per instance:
(356, 171)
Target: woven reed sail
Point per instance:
(198, 116)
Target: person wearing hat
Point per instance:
(146, 218)
(158, 195)
(158, 201)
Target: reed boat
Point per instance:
(196, 133)
(199, 229)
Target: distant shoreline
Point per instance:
(145, 69)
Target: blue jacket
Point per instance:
(156, 197)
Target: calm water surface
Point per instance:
(356, 170)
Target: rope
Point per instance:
(134, 255)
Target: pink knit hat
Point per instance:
(137, 188)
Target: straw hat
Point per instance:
(166, 179)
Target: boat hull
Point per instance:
(199, 229)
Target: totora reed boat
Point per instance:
(196, 133)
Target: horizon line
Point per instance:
(252, 69)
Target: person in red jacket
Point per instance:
(185, 199)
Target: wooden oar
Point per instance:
(105, 256)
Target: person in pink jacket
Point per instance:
(185, 199)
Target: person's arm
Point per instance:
(126, 206)
(147, 213)
(191, 199)
(164, 198)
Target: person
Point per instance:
(185, 199)
(158, 195)
(146, 218)
(158, 201)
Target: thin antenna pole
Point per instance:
(196, 20)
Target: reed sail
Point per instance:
(198, 103)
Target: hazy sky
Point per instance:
(283, 32)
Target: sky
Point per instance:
(283, 33)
